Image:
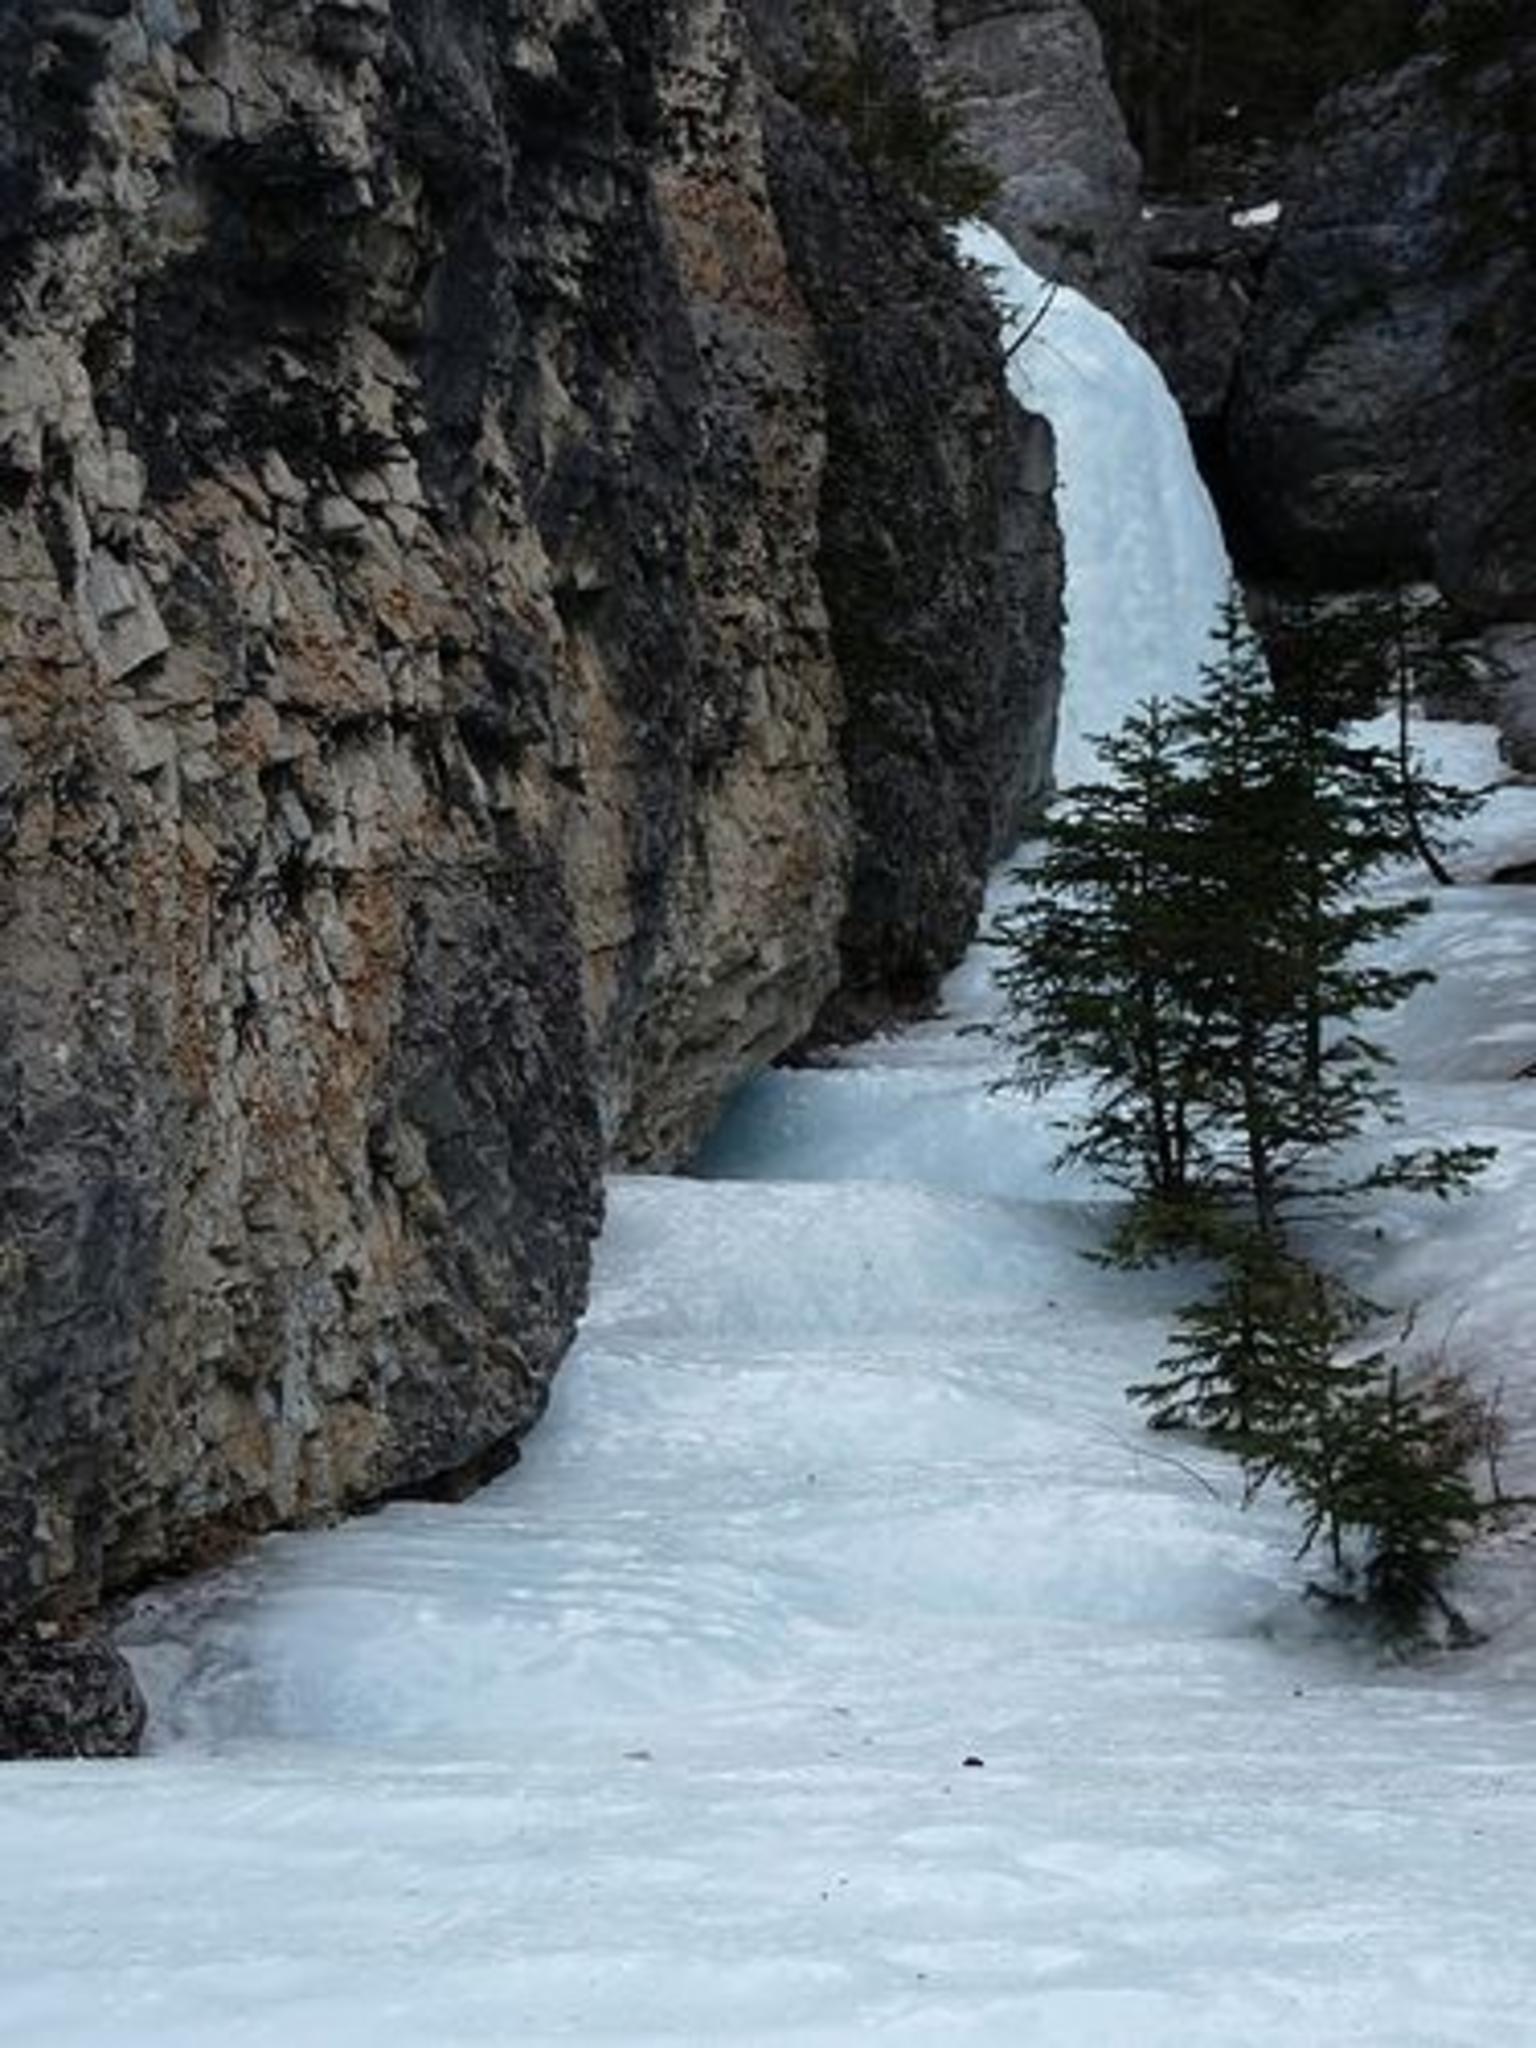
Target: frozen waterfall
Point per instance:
(1146, 563)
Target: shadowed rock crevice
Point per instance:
(944, 607)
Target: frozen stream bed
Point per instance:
(664, 1738)
(844, 1659)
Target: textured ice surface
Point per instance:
(1146, 563)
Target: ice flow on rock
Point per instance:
(1146, 563)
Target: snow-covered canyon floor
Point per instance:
(665, 1737)
(844, 1658)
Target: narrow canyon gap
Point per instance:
(843, 1658)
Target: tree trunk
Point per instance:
(1261, 1174)
(1406, 784)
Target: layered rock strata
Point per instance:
(467, 696)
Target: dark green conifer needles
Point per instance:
(1198, 945)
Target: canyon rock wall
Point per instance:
(1383, 424)
(1029, 78)
(1359, 372)
(476, 680)
(943, 606)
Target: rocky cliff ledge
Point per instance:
(519, 580)
(1342, 290)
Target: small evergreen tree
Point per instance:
(1244, 1362)
(1285, 828)
(1094, 959)
(1376, 1468)
(1351, 659)
(1389, 1462)
(1196, 943)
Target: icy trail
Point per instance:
(663, 1738)
(842, 1660)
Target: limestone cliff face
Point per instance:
(943, 607)
(467, 696)
(1030, 78)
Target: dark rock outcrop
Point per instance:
(944, 612)
(443, 741)
(1206, 261)
(1360, 376)
(67, 1699)
(1513, 652)
(1209, 92)
(1383, 425)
